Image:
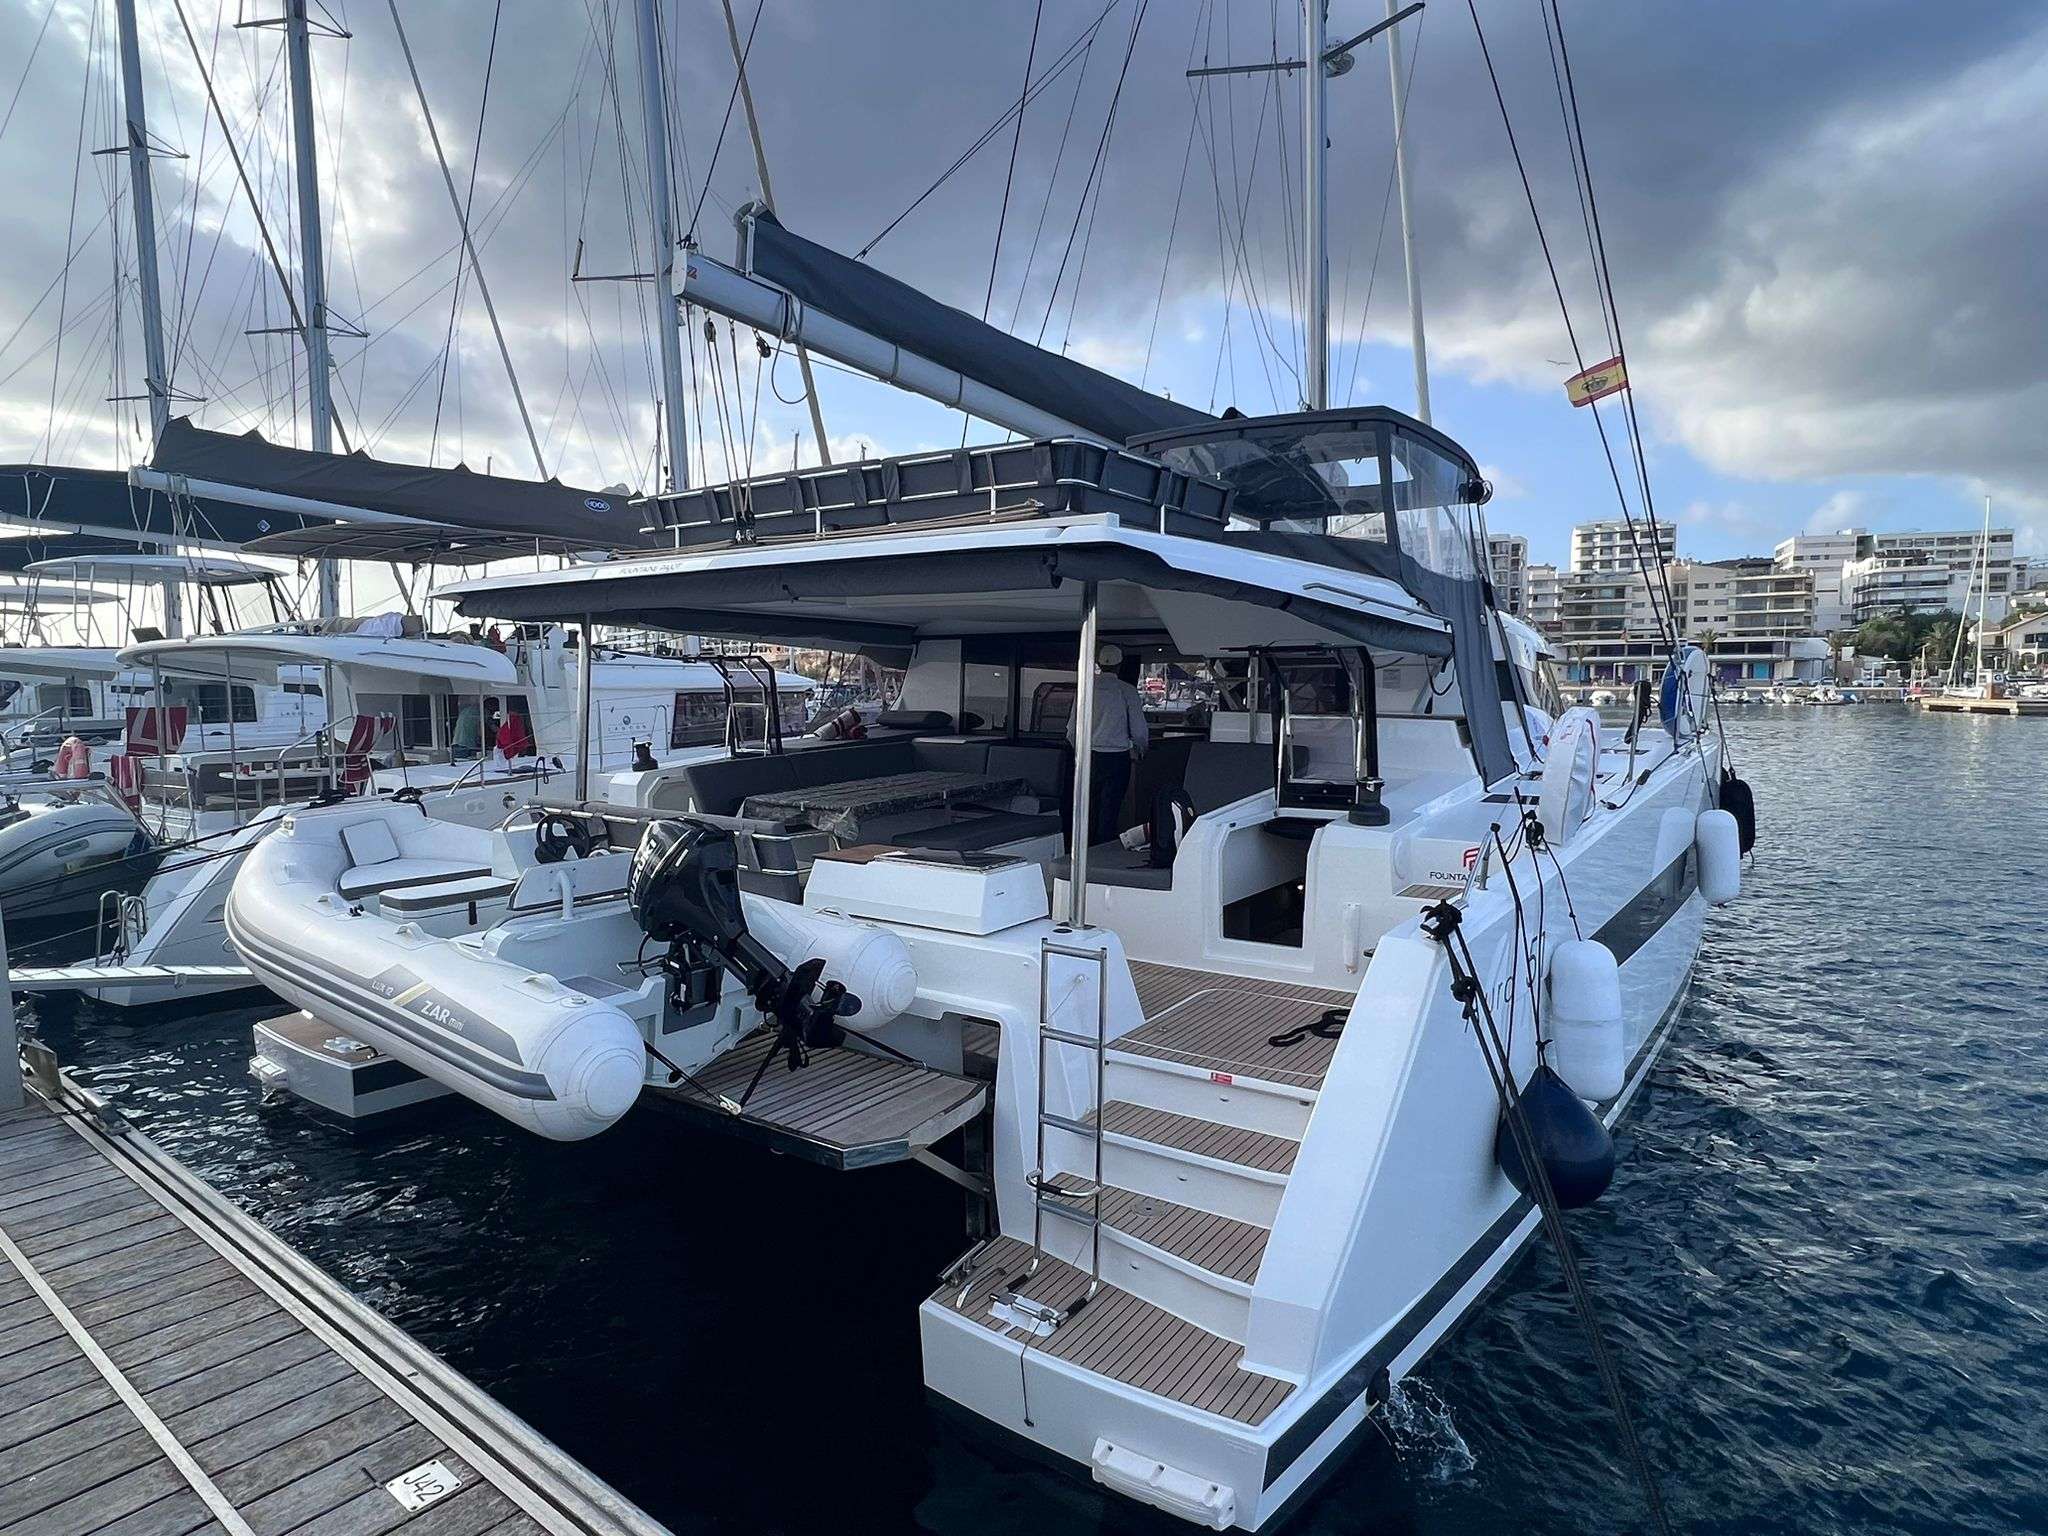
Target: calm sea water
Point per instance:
(1824, 1265)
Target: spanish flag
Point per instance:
(1600, 380)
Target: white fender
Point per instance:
(1588, 1046)
(871, 963)
(1566, 798)
(1718, 842)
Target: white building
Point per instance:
(1543, 581)
(1858, 574)
(1613, 545)
(1507, 558)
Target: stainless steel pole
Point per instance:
(654, 110)
(312, 269)
(1416, 341)
(586, 664)
(1084, 761)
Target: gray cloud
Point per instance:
(1823, 219)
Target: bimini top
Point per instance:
(60, 662)
(390, 664)
(892, 588)
(27, 596)
(1330, 527)
(187, 570)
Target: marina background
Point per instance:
(1821, 1263)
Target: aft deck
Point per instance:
(1227, 1023)
(1117, 1335)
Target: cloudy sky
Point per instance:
(1825, 224)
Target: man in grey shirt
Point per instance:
(1120, 735)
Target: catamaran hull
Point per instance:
(1386, 1241)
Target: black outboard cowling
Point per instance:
(1574, 1146)
(684, 891)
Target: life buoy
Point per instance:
(74, 759)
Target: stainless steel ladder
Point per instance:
(1046, 1196)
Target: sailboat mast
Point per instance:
(1984, 597)
(156, 380)
(654, 106)
(1419, 346)
(1315, 202)
(312, 268)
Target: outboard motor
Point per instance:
(684, 891)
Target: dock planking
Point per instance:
(158, 1377)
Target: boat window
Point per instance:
(311, 690)
(9, 687)
(72, 700)
(697, 720)
(210, 700)
(985, 698)
(1432, 494)
(1318, 728)
(1545, 694)
(1045, 685)
(415, 720)
(1321, 479)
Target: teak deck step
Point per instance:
(1120, 1336)
(1218, 1244)
(847, 1108)
(1226, 1023)
(1204, 1138)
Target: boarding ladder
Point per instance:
(1083, 967)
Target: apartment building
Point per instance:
(1507, 558)
(1613, 545)
(1543, 585)
(1859, 575)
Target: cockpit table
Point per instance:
(841, 808)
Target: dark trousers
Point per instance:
(1109, 780)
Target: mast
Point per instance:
(1315, 201)
(1984, 596)
(654, 106)
(156, 379)
(1417, 344)
(312, 271)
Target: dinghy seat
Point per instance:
(404, 874)
(375, 867)
(437, 896)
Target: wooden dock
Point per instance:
(169, 1367)
(1961, 704)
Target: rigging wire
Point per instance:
(1075, 49)
(468, 205)
(995, 255)
(1665, 614)
(732, 97)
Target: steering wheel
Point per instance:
(556, 836)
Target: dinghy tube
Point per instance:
(521, 1044)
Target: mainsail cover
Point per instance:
(546, 510)
(53, 500)
(874, 302)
